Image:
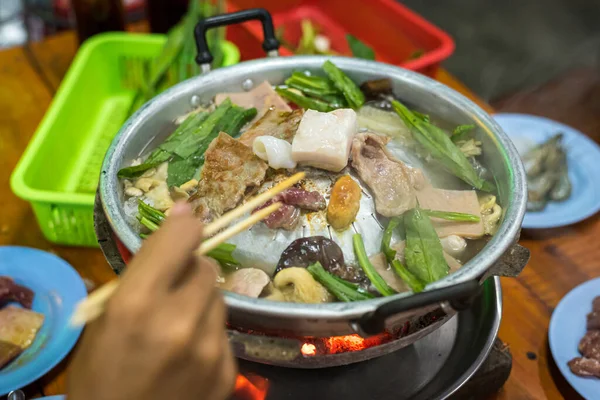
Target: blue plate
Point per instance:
(58, 288)
(583, 156)
(567, 327)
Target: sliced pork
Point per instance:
(10, 291)
(230, 170)
(589, 346)
(585, 366)
(392, 182)
(246, 281)
(278, 124)
(323, 139)
(262, 97)
(19, 326)
(462, 201)
(293, 200)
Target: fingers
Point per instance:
(197, 292)
(167, 252)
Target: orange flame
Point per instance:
(246, 390)
(309, 349)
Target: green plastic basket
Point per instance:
(58, 172)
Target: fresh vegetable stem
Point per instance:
(303, 101)
(412, 281)
(376, 279)
(437, 142)
(352, 93)
(148, 224)
(452, 216)
(151, 213)
(423, 254)
(316, 83)
(336, 286)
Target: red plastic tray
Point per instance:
(391, 29)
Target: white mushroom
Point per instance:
(247, 281)
(454, 245)
(133, 192)
(189, 185)
(298, 286)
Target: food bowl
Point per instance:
(152, 123)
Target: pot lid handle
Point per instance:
(270, 42)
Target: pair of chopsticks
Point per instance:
(93, 306)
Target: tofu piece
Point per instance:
(323, 140)
(19, 326)
(463, 201)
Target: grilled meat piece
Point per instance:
(10, 291)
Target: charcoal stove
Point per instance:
(445, 354)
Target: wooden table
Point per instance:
(561, 258)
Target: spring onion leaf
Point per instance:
(359, 49)
(376, 279)
(351, 92)
(412, 281)
(452, 216)
(303, 101)
(423, 254)
(437, 142)
(137, 170)
(341, 289)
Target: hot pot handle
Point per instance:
(458, 297)
(270, 43)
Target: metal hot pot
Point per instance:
(501, 256)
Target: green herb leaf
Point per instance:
(376, 279)
(424, 254)
(437, 142)
(359, 49)
(452, 216)
(386, 248)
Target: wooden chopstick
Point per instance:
(251, 204)
(93, 306)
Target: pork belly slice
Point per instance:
(391, 181)
(263, 97)
(462, 201)
(230, 170)
(589, 345)
(19, 326)
(8, 352)
(278, 124)
(323, 140)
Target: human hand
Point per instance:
(162, 335)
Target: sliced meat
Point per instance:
(286, 217)
(262, 97)
(391, 181)
(585, 366)
(589, 345)
(293, 200)
(596, 304)
(278, 124)
(247, 281)
(323, 139)
(10, 291)
(19, 326)
(8, 352)
(387, 273)
(463, 201)
(593, 320)
(230, 170)
(312, 201)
